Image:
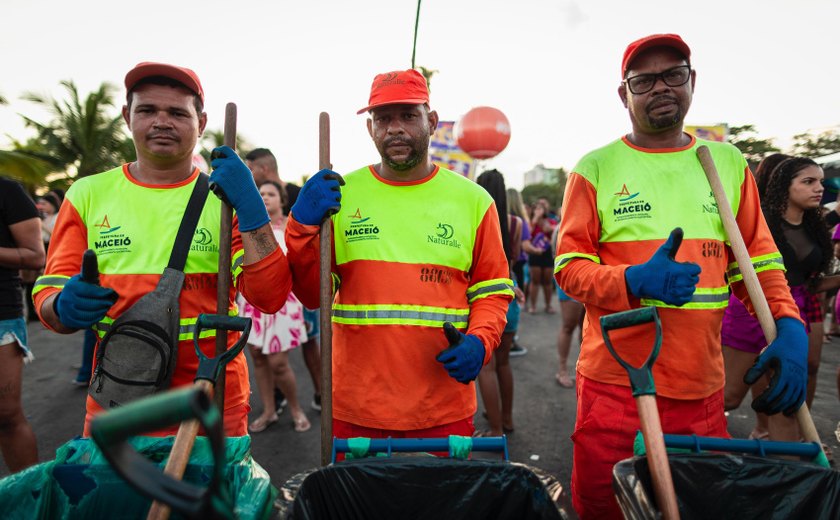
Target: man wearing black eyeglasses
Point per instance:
(619, 249)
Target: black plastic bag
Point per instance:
(426, 487)
(742, 487)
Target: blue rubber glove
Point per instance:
(80, 304)
(464, 357)
(319, 198)
(233, 182)
(788, 357)
(662, 278)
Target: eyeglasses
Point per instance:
(672, 77)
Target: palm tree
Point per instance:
(84, 137)
(27, 168)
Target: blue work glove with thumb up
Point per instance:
(787, 355)
(233, 182)
(663, 278)
(82, 302)
(464, 357)
(319, 198)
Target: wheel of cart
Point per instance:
(375, 482)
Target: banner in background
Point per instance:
(709, 132)
(446, 154)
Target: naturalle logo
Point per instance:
(445, 231)
(202, 236)
(203, 241)
(443, 236)
(711, 206)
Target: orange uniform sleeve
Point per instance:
(304, 253)
(577, 266)
(266, 283)
(64, 258)
(487, 314)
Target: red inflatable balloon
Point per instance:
(483, 132)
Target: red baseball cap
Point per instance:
(654, 40)
(400, 87)
(182, 75)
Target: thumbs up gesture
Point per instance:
(663, 278)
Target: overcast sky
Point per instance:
(551, 66)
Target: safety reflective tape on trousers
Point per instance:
(399, 315)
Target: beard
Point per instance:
(667, 121)
(418, 150)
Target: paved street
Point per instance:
(543, 411)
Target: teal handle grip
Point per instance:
(631, 318)
(219, 322)
(641, 378)
(209, 368)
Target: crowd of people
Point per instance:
(424, 307)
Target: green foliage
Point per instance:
(746, 139)
(810, 145)
(213, 138)
(26, 167)
(84, 136)
(428, 73)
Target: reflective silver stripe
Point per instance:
(499, 287)
(188, 328)
(697, 301)
(400, 314)
(52, 281)
(566, 260)
(710, 298)
(238, 263)
(736, 271)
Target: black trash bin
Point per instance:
(742, 487)
(424, 488)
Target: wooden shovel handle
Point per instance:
(326, 297)
(759, 301)
(657, 457)
(179, 456)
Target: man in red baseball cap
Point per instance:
(130, 217)
(416, 246)
(618, 250)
